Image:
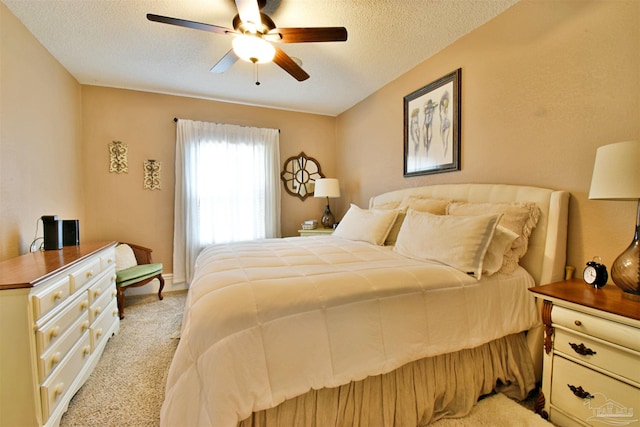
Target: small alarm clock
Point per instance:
(595, 274)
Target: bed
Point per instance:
(372, 326)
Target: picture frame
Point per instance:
(432, 127)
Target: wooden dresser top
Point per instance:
(608, 298)
(28, 270)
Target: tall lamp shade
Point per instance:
(616, 176)
(329, 188)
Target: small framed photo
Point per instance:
(432, 127)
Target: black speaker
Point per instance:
(52, 232)
(70, 232)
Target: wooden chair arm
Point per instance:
(142, 254)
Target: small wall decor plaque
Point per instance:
(118, 157)
(152, 174)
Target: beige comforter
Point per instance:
(269, 320)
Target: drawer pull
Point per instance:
(84, 326)
(55, 359)
(58, 295)
(54, 332)
(578, 323)
(89, 274)
(579, 392)
(96, 293)
(86, 351)
(57, 390)
(83, 305)
(98, 333)
(582, 349)
(97, 311)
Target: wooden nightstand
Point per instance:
(591, 368)
(316, 232)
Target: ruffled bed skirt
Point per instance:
(416, 394)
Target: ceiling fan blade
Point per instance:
(311, 35)
(225, 62)
(285, 62)
(189, 24)
(249, 11)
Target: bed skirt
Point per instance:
(416, 394)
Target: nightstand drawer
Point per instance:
(613, 401)
(618, 360)
(617, 333)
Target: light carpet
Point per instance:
(127, 387)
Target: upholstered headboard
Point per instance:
(546, 256)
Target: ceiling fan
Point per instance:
(253, 31)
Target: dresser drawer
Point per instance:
(99, 306)
(108, 259)
(55, 387)
(617, 333)
(615, 359)
(51, 359)
(103, 326)
(105, 284)
(51, 331)
(84, 273)
(50, 295)
(614, 402)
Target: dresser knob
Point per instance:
(55, 359)
(83, 305)
(89, 273)
(57, 390)
(54, 332)
(579, 392)
(58, 295)
(86, 351)
(84, 326)
(578, 323)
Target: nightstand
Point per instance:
(316, 232)
(591, 367)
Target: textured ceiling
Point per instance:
(111, 43)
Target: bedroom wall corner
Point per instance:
(543, 85)
(40, 138)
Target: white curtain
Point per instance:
(227, 188)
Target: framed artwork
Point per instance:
(432, 127)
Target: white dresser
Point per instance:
(591, 368)
(57, 310)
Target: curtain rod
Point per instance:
(175, 120)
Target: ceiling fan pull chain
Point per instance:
(255, 73)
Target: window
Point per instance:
(227, 188)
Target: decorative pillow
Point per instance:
(460, 242)
(422, 204)
(371, 226)
(395, 228)
(125, 257)
(425, 204)
(502, 240)
(520, 218)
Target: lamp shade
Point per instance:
(326, 187)
(253, 49)
(616, 172)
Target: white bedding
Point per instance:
(357, 309)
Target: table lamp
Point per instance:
(327, 187)
(616, 176)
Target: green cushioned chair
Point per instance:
(140, 274)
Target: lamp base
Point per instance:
(327, 220)
(625, 270)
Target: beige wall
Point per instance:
(40, 142)
(117, 206)
(543, 85)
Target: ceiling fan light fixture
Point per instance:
(253, 49)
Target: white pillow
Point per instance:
(371, 226)
(458, 241)
(501, 243)
(125, 257)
